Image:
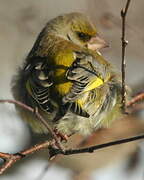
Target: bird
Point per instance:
(66, 78)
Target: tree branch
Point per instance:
(135, 100)
(91, 149)
(10, 159)
(124, 43)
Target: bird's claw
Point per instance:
(62, 137)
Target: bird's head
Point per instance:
(76, 27)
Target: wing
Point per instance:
(81, 73)
(38, 82)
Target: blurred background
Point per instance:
(20, 23)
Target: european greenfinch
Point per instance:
(64, 76)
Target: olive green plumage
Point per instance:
(64, 76)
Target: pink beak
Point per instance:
(96, 43)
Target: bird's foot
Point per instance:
(62, 137)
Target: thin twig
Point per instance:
(136, 99)
(124, 43)
(13, 158)
(91, 149)
(10, 159)
(40, 118)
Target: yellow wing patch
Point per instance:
(94, 84)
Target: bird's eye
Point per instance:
(83, 36)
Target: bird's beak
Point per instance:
(96, 43)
